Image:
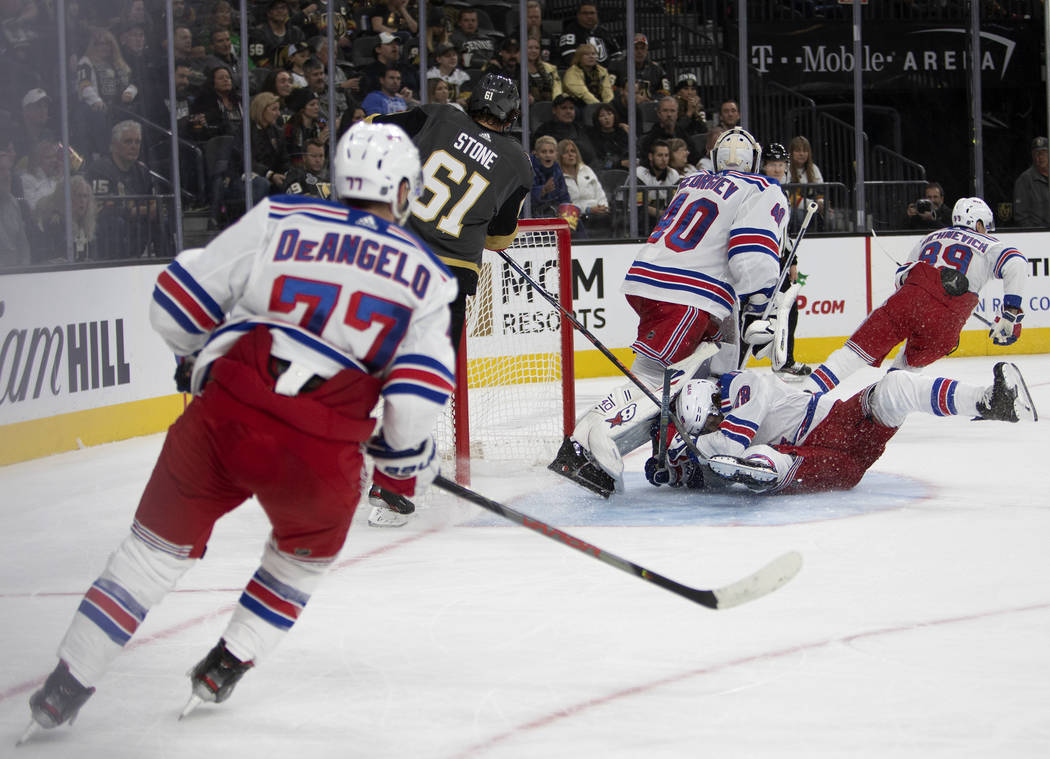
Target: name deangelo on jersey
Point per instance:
(352, 249)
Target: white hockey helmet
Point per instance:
(968, 211)
(736, 149)
(697, 401)
(371, 162)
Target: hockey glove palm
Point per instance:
(1007, 327)
(405, 472)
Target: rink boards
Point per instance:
(80, 365)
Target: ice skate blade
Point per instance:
(192, 704)
(30, 730)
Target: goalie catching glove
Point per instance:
(1007, 327)
(405, 472)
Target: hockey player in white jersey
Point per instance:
(937, 290)
(714, 253)
(757, 432)
(294, 322)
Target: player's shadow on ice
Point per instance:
(563, 504)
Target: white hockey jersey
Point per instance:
(980, 257)
(718, 240)
(761, 409)
(337, 287)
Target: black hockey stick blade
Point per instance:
(767, 579)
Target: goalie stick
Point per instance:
(767, 579)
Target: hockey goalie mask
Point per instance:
(699, 407)
(371, 162)
(737, 150)
(968, 211)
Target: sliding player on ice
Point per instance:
(756, 430)
(714, 253)
(937, 290)
(300, 316)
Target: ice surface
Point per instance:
(919, 625)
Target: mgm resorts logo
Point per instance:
(51, 360)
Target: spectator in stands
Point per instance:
(347, 88)
(387, 54)
(585, 80)
(438, 91)
(446, 67)
(508, 60)
(279, 83)
(216, 111)
(350, 117)
(666, 128)
(298, 55)
(42, 171)
(586, 28)
(190, 55)
(728, 115)
(620, 104)
(306, 124)
(222, 18)
(691, 116)
(931, 212)
(650, 79)
(270, 40)
(439, 30)
(133, 51)
(393, 17)
(223, 53)
(311, 178)
(317, 83)
(103, 80)
(1031, 191)
(585, 190)
(545, 43)
(269, 155)
(608, 137)
(36, 108)
(391, 97)
(707, 160)
(563, 126)
(14, 244)
(549, 190)
(125, 225)
(656, 172)
(802, 170)
(544, 80)
(474, 48)
(679, 160)
(775, 162)
(50, 222)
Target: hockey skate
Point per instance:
(58, 701)
(793, 372)
(1008, 399)
(214, 677)
(573, 463)
(756, 476)
(388, 508)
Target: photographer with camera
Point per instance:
(929, 212)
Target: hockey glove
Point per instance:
(1007, 327)
(183, 373)
(405, 472)
(685, 474)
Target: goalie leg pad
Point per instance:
(782, 326)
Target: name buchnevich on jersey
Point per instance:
(357, 250)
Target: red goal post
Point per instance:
(515, 385)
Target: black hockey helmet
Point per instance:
(774, 152)
(496, 96)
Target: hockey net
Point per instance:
(514, 398)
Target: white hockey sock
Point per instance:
(136, 577)
(271, 603)
(839, 365)
(900, 393)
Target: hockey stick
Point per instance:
(665, 407)
(760, 583)
(811, 208)
(566, 314)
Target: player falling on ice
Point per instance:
(301, 316)
(755, 430)
(937, 291)
(714, 253)
(475, 179)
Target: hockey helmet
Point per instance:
(736, 149)
(497, 96)
(774, 152)
(698, 400)
(371, 162)
(968, 211)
